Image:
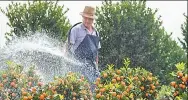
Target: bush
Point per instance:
(16, 84)
(180, 83)
(165, 93)
(126, 83)
(14, 81)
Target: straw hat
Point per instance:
(88, 12)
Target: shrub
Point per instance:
(180, 83)
(14, 81)
(16, 84)
(165, 93)
(126, 83)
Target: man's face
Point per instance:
(87, 21)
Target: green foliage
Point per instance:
(165, 93)
(14, 79)
(180, 66)
(72, 86)
(37, 15)
(184, 29)
(180, 82)
(126, 83)
(129, 29)
(18, 84)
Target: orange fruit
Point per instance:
(125, 93)
(176, 86)
(41, 97)
(135, 78)
(105, 75)
(97, 83)
(183, 86)
(147, 94)
(98, 79)
(143, 79)
(13, 84)
(1, 84)
(29, 83)
(127, 90)
(74, 98)
(102, 90)
(180, 74)
(151, 91)
(45, 95)
(123, 83)
(118, 72)
(118, 96)
(157, 83)
(13, 94)
(186, 77)
(25, 98)
(113, 80)
(142, 88)
(39, 83)
(175, 94)
(33, 90)
(118, 78)
(74, 94)
(98, 95)
(24, 93)
(113, 93)
(183, 79)
(180, 85)
(153, 87)
(173, 84)
(30, 97)
(130, 86)
(122, 77)
(149, 78)
(4, 75)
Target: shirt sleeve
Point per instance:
(73, 36)
(72, 39)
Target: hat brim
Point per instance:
(86, 15)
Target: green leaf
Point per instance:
(180, 66)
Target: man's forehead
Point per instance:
(87, 18)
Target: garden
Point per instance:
(138, 59)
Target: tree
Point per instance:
(129, 29)
(184, 29)
(37, 16)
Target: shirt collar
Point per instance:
(83, 27)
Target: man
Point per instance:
(84, 43)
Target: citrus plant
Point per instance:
(165, 93)
(180, 83)
(15, 84)
(126, 83)
(73, 86)
(14, 80)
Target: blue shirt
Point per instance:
(77, 35)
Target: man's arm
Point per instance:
(72, 40)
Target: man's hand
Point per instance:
(97, 59)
